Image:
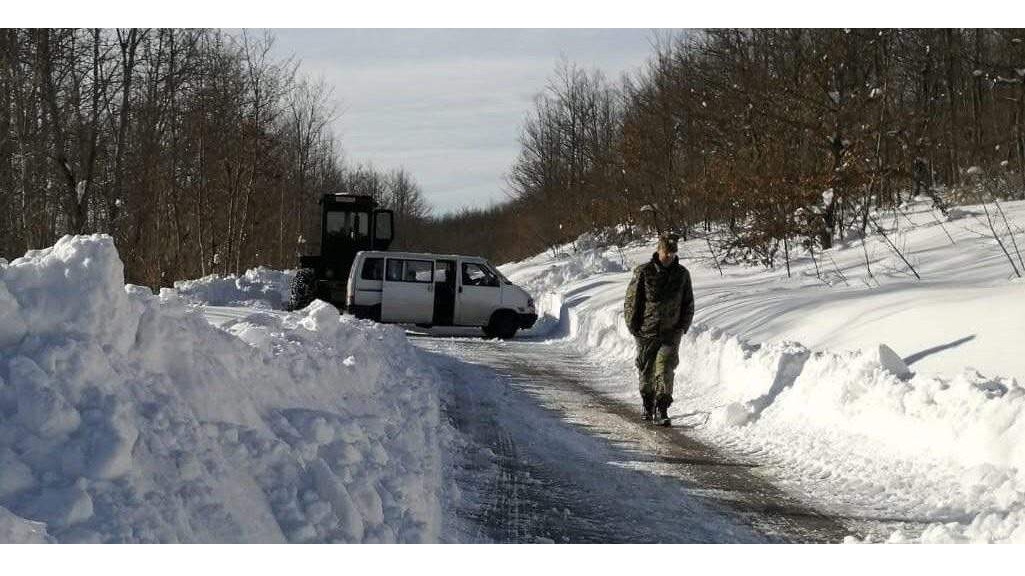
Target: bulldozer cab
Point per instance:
(353, 223)
(349, 224)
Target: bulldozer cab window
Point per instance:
(348, 225)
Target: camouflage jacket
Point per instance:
(659, 301)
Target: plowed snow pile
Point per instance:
(931, 436)
(256, 288)
(127, 417)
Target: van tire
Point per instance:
(503, 325)
(303, 289)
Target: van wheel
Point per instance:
(304, 289)
(504, 325)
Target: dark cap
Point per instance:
(668, 242)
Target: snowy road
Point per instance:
(547, 459)
(540, 455)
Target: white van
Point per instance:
(437, 290)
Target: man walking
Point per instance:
(658, 311)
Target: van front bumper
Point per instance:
(527, 320)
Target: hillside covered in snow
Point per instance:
(862, 385)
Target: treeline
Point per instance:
(200, 152)
(773, 137)
(197, 150)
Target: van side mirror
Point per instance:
(384, 231)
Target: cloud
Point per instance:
(448, 104)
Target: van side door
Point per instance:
(408, 294)
(444, 292)
(480, 293)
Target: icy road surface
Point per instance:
(547, 459)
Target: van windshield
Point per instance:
(499, 273)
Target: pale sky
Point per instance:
(447, 104)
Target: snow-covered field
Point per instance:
(877, 395)
(127, 417)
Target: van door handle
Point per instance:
(460, 289)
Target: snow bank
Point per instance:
(860, 420)
(969, 417)
(258, 288)
(127, 417)
(567, 268)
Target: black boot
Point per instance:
(649, 406)
(663, 417)
(663, 414)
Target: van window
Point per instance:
(417, 271)
(409, 270)
(443, 271)
(394, 270)
(373, 269)
(477, 275)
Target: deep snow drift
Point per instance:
(931, 433)
(127, 417)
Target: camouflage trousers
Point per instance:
(656, 362)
